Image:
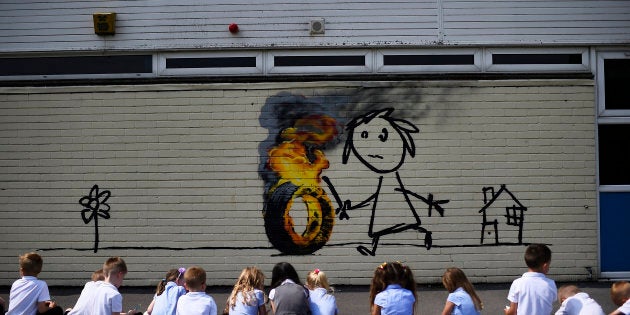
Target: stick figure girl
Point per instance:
(368, 137)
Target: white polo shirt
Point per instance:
(25, 294)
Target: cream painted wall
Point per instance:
(181, 163)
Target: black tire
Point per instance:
(279, 224)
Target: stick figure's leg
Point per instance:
(428, 240)
(367, 252)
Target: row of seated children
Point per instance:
(392, 291)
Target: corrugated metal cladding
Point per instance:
(32, 25)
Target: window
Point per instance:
(42, 67)
(211, 63)
(614, 154)
(613, 75)
(428, 60)
(537, 59)
(319, 61)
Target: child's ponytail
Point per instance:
(171, 275)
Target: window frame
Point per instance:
(88, 76)
(273, 70)
(382, 68)
(491, 67)
(164, 71)
(601, 84)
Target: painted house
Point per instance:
(502, 211)
(332, 133)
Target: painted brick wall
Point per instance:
(182, 164)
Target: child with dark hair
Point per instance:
(393, 290)
(28, 294)
(287, 295)
(533, 292)
(168, 290)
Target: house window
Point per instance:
(514, 215)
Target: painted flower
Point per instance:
(95, 205)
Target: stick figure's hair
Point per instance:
(403, 127)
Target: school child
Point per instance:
(105, 298)
(287, 295)
(84, 302)
(247, 297)
(321, 301)
(533, 292)
(575, 302)
(393, 290)
(620, 295)
(28, 294)
(167, 292)
(462, 298)
(196, 301)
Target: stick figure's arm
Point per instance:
(343, 205)
(433, 204)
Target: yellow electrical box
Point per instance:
(104, 23)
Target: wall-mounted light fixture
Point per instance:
(104, 23)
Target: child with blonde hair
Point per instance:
(247, 297)
(168, 290)
(28, 294)
(393, 290)
(620, 295)
(462, 298)
(575, 302)
(321, 301)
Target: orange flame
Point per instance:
(290, 159)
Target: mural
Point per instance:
(292, 163)
(369, 136)
(95, 206)
(293, 160)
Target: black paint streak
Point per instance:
(269, 247)
(96, 205)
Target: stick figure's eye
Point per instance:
(364, 134)
(383, 135)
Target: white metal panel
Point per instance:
(150, 25)
(66, 25)
(536, 22)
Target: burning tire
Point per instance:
(280, 227)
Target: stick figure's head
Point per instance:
(379, 141)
